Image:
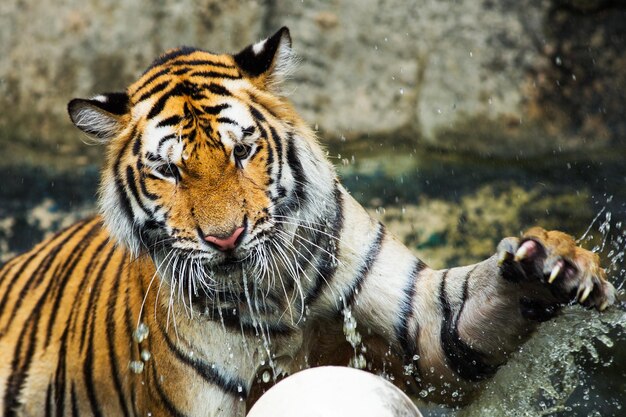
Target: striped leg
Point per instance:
(452, 329)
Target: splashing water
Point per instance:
(358, 361)
(540, 379)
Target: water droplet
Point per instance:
(136, 366)
(145, 355)
(239, 388)
(141, 333)
(402, 91)
(266, 376)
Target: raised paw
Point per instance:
(553, 258)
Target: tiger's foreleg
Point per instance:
(484, 312)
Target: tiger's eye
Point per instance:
(169, 171)
(241, 151)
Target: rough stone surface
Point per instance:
(498, 77)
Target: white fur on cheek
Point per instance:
(115, 219)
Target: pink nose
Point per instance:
(227, 243)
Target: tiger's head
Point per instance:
(207, 162)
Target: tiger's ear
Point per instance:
(269, 61)
(100, 116)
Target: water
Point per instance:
(548, 376)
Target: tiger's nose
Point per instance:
(226, 243)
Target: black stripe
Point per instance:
(75, 412)
(215, 110)
(64, 277)
(119, 185)
(365, 268)
(218, 90)
(279, 157)
(130, 180)
(327, 264)
(406, 340)
(48, 412)
(7, 269)
(298, 173)
(169, 405)
(232, 319)
(75, 314)
(227, 120)
(88, 364)
(154, 90)
(256, 113)
(170, 121)
(207, 371)
(165, 139)
(469, 363)
(197, 62)
(176, 91)
(129, 342)
(270, 157)
(111, 307)
(19, 365)
(41, 271)
(214, 74)
(4, 301)
(151, 79)
(142, 183)
(95, 292)
(25, 264)
(59, 378)
(123, 199)
(181, 71)
(136, 138)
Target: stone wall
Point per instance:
(499, 77)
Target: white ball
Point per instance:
(334, 391)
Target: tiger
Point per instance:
(226, 253)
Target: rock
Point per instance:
(447, 233)
(496, 77)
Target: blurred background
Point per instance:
(455, 122)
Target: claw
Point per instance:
(503, 257)
(555, 273)
(521, 253)
(586, 293)
(604, 305)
